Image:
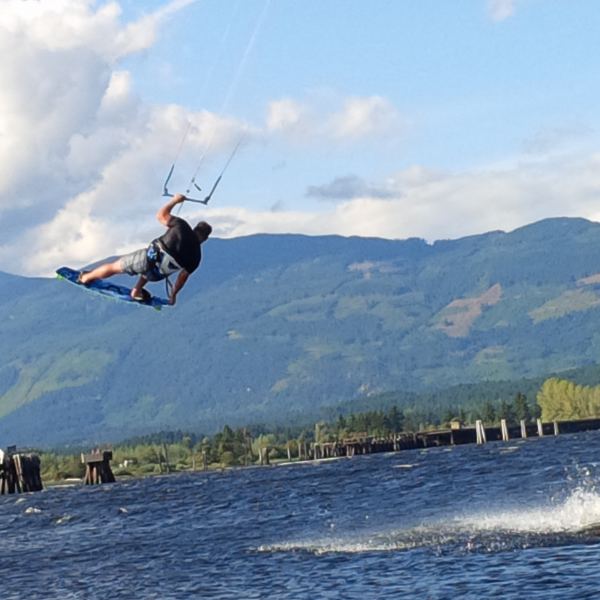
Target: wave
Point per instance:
(575, 519)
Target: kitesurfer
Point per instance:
(177, 250)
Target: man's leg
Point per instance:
(102, 272)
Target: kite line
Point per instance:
(193, 186)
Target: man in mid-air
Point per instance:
(177, 250)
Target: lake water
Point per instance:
(511, 520)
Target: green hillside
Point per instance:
(277, 327)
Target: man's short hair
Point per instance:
(203, 229)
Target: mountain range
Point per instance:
(273, 328)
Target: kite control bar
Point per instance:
(169, 195)
(193, 181)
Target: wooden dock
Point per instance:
(453, 436)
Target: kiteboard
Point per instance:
(111, 290)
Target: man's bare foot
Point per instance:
(82, 277)
(140, 295)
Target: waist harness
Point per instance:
(160, 264)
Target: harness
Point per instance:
(160, 265)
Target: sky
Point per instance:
(379, 118)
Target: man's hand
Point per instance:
(164, 214)
(179, 283)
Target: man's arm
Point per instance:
(164, 214)
(179, 283)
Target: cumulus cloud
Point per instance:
(82, 156)
(62, 93)
(437, 205)
(114, 212)
(353, 119)
(500, 10)
(80, 153)
(363, 117)
(285, 115)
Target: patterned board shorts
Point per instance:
(135, 263)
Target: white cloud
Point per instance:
(364, 117)
(69, 24)
(437, 205)
(60, 88)
(500, 10)
(82, 157)
(80, 153)
(355, 119)
(114, 213)
(285, 114)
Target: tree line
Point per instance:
(179, 450)
(561, 399)
(557, 399)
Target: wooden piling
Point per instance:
(523, 429)
(480, 431)
(504, 428)
(248, 455)
(97, 467)
(263, 454)
(540, 428)
(556, 429)
(19, 473)
(166, 455)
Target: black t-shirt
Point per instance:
(181, 243)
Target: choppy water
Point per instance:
(509, 520)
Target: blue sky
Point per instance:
(387, 118)
(485, 86)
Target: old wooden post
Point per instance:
(289, 452)
(504, 428)
(556, 431)
(166, 451)
(540, 428)
(248, 455)
(480, 432)
(523, 429)
(97, 467)
(19, 472)
(319, 450)
(264, 456)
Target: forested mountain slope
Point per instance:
(275, 326)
